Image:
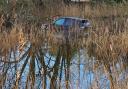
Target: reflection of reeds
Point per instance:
(109, 47)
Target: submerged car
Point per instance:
(68, 27)
(72, 22)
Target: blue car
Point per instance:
(72, 22)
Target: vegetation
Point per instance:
(31, 57)
(111, 1)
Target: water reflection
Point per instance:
(64, 65)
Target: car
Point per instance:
(72, 22)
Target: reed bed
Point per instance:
(107, 41)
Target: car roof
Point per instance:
(77, 18)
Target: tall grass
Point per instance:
(107, 41)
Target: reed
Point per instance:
(107, 41)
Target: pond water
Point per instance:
(60, 65)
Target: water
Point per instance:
(63, 63)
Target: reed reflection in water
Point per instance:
(63, 64)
